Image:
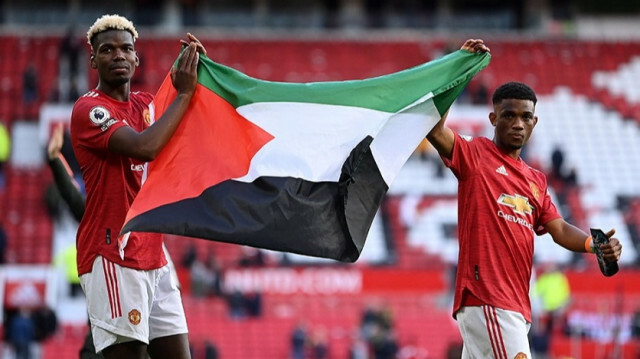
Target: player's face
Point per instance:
(114, 57)
(514, 121)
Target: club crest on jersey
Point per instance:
(535, 191)
(520, 204)
(134, 317)
(147, 116)
(520, 355)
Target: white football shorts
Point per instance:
(126, 304)
(490, 332)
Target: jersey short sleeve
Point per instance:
(464, 157)
(93, 123)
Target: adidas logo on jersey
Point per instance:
(501, 170)
(91, 94)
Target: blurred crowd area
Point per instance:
(581, 57)
(451, 15)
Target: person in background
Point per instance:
(299, 339)
(21, 333)
(3, 244)
(5, 151)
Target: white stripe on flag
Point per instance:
(311, 140)
(401, 134)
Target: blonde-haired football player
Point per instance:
(134, 305)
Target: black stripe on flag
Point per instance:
(321, 219)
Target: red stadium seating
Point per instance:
(28, 226)
(419, 320)
(18, 53)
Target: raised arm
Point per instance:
(62, 175)
(441, 136)
(146, 145)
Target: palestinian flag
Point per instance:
(295, 167)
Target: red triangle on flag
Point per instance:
(212, 144)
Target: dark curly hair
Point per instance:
(514, 91)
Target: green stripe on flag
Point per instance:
(390, 93)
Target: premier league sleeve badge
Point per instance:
(100, 116)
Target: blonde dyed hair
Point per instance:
(111, 22)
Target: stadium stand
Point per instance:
(589, 96)
(26, 219)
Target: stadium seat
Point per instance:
(588, 95)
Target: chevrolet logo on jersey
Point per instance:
(519, 203)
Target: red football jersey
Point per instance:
(502, 202)
(111, 181)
